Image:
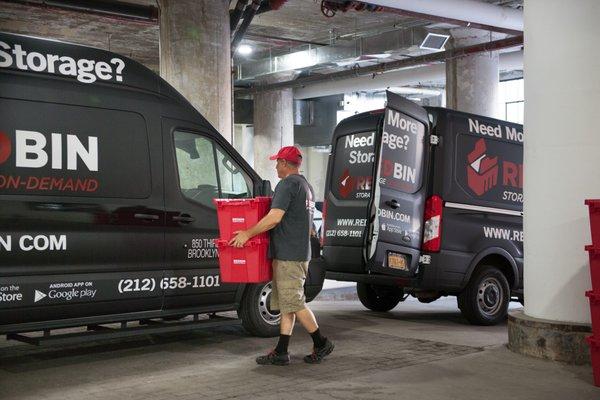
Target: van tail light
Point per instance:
(323, 219)
(432, 230)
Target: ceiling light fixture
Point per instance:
(245, 50)
(434, 41)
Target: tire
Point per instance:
(257, 318)
(485, 299)
(379, 298)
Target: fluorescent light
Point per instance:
(434, 41)
(245, 50)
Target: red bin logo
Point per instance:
(482, 171)
(346, 183)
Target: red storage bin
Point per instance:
(595, 353)
(594, 311)
(594, 254)
(594, 208)
(248, 264)
(241, 214)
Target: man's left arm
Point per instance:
(268, 222)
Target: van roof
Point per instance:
(437, 110)
(89, 65)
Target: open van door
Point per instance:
(399, 193)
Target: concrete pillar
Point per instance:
(562, 93)
(472, 81)
(195, 56)
(273, 129)
(243, 140)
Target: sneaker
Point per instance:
(319, 353)
(274, 358)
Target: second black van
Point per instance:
(426, 202)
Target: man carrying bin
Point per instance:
(290, 222)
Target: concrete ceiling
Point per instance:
(135, 39)
(297, 20)
(303, 20)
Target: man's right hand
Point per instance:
(239, 239)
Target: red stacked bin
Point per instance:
(241, 214)
(250, 263)
(594, 294)
(594, 255)
(595, 352)
(594, 208)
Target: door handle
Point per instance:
(148, 217)
(392, 203)
(184, 218)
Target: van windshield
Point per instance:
(353, 166)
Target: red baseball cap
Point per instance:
(288, 153)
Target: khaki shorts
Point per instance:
(288, 286)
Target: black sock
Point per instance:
(282, 345)
(318, 339)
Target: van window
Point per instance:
(235, 183)
(196, 167)
(402, 152)
(72, 151)
(353, 166)
(206, 171)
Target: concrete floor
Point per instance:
(417, 351)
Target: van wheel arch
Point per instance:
(496, 257)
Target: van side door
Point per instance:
(199, 167)
(397, 203)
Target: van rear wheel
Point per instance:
(485, 299)
(378, 297)
(255, 311)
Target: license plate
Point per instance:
(397, 261)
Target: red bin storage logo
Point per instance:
(482, 171)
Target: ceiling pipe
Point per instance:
(389, 66)
(281, 41)
(468, 13)
(236, 15)
(117, 10)
(270, 5)
(433, 73)
(414, 76)
(248, 15)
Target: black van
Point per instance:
(426, 202)
(107, 176)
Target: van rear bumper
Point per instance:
(445, 272)
(385, 280)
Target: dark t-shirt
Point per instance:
(290, 239)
